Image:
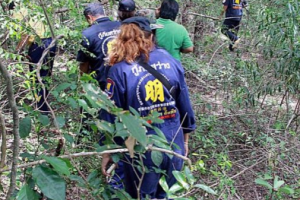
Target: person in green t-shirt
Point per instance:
(173, 37)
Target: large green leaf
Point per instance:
(61, 121)
(277, 183)
(263, 183)
(44, 119)
(49, 182)
(205, 188)
(163, 184)
(26, 193)
(157, 157)
(59, 164)
(25, 127)
(134, 127)
(191, 179)
(181, 179)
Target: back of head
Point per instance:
(126, 9)
(94, 9)
(133, 41)
(11, 5)
(169, 9)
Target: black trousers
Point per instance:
(230, 28)
(35, 53)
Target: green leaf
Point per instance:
(49, 182)
(205, 188)
(287, 190)
(58, 164)
(135, 129)
(277, 183)
(105, 126)
(264, 183)
(175, 188)
(78, 179)
(134, 112)
(44, 119)
(163, 184)
(157, 157)
(188, 174)
(62, 87)
(72, 102)
(26, 193)
(61, 121)
(181, 179)
(25, 127)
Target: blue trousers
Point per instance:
(150, 184)
(35, 53)
(230, 28)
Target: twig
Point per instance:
(201, 15)
(48, 20)
(86, 154)
(200, 80)
(16, 143)
(3, 145)
(215, 53)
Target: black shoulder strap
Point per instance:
(159, 76)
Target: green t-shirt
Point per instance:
(172, 37)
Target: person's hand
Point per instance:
(104, 163)
(186, 148)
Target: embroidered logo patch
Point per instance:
(110, 87)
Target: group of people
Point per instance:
(120, 52)
(120, 49)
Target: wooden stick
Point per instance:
(86, 154)
(201, 15)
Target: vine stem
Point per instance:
(16, 142)
(86, 154)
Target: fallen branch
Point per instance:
(87, 154)
(205, 16)
(16, 143)
(3, 145)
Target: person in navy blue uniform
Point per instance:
(130, 85)
(233, 10)
(96, 41)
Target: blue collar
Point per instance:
(102, 19)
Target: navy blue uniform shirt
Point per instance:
(96, 42)
(130, 85)
(234, 9)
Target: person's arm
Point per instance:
(187, 44)
(187, 50)
(116, 93)
(186, 143)
(225, 7)
(223, 11)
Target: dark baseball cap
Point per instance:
(142, 22)
(126, 5)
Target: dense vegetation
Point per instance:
(247, 105)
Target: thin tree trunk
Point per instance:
(3, 145)
(199, 30)
(13, 107)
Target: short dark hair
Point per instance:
(125, 15)
(169, 9)
(94, 9)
